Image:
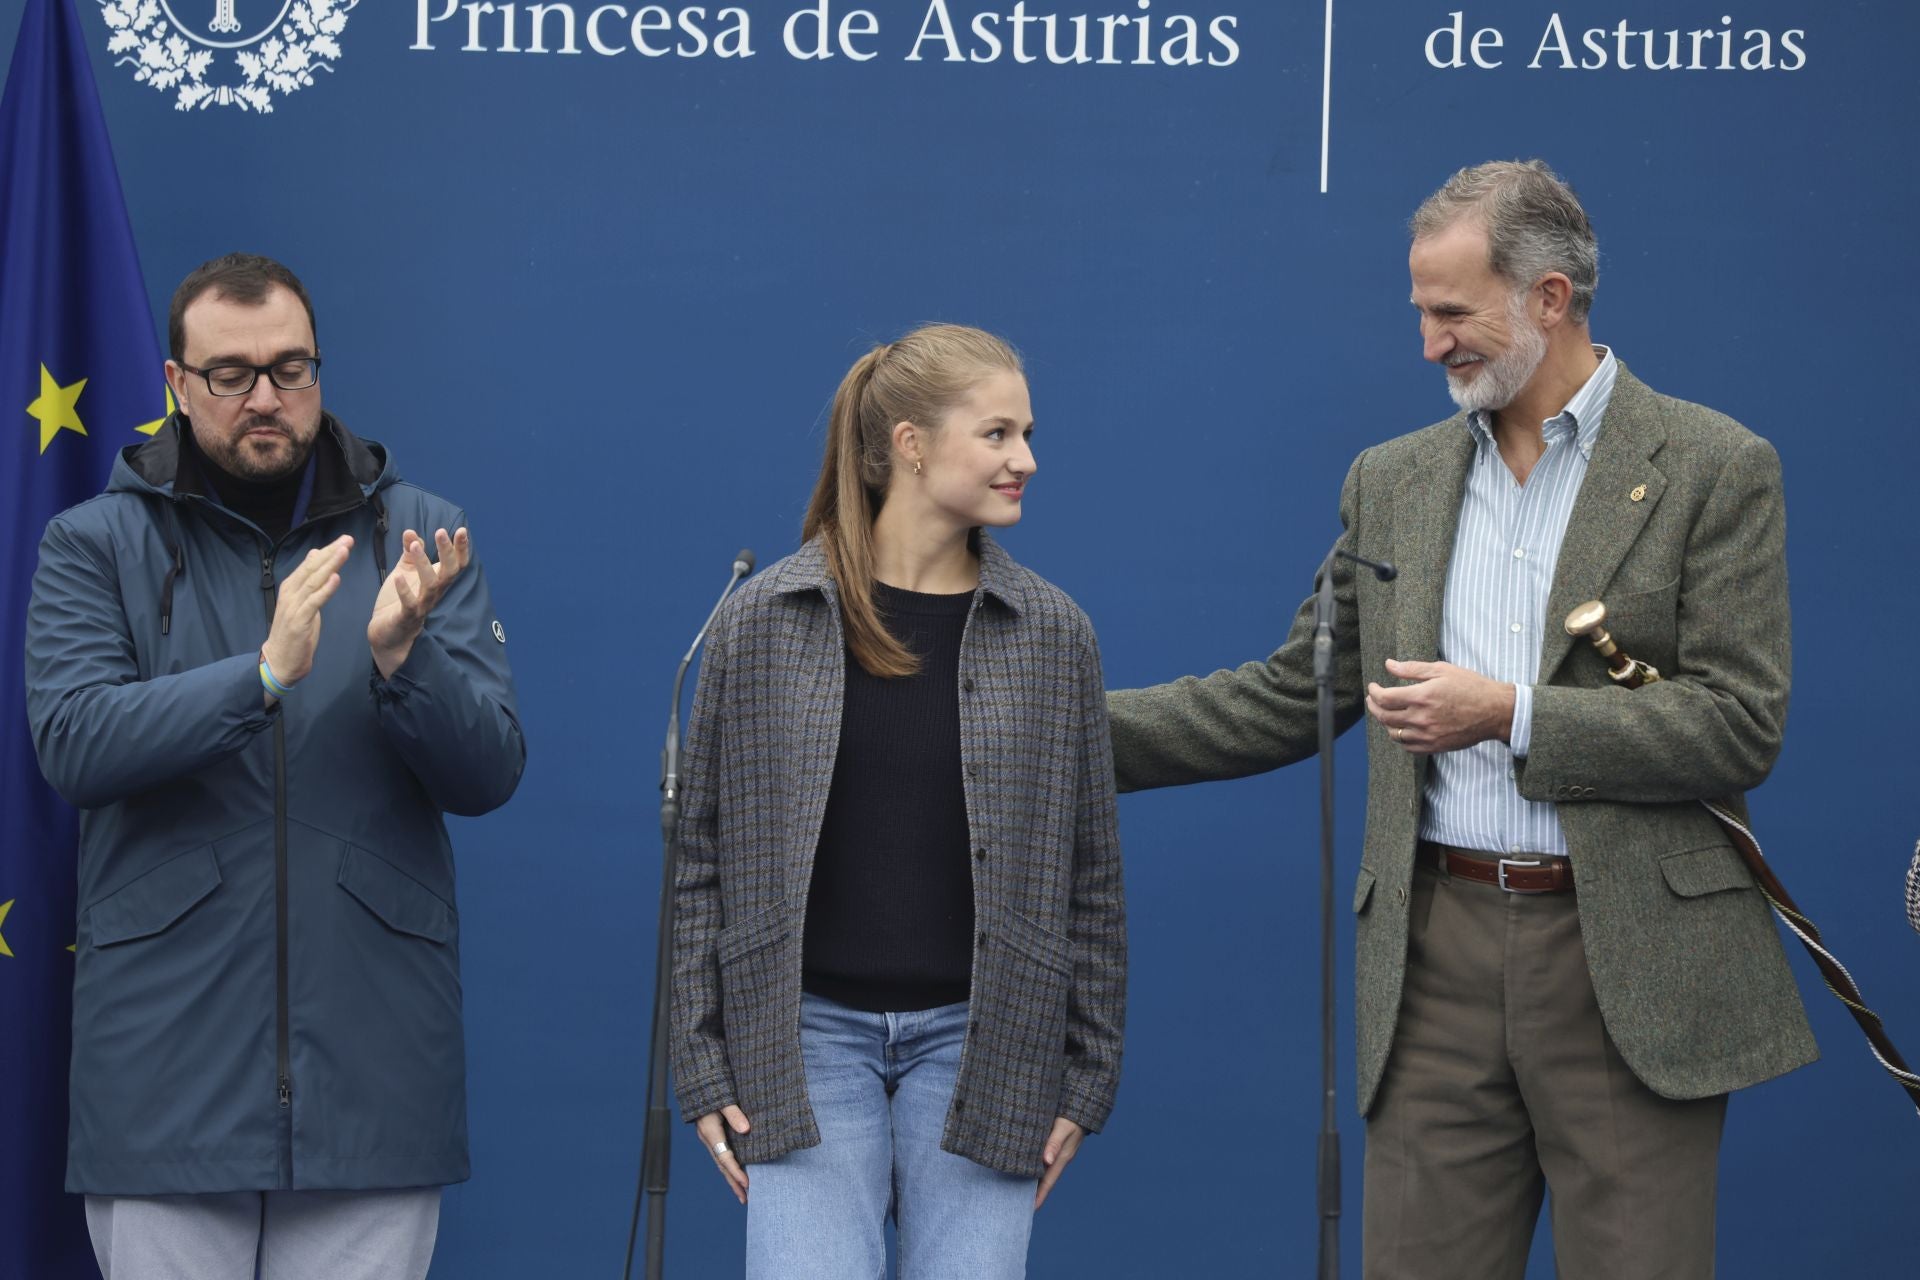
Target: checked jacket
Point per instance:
(1049, 958)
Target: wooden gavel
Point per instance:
(1590, 620)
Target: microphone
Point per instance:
(1381, 568)
(670, 756)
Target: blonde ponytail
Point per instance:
(916, 379)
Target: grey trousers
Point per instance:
(1503, 1082)
(276, 1235)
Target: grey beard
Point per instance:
(1503, 377)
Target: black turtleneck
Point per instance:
(267, 503)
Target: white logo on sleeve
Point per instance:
(499, 632)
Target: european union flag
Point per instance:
(79, 376)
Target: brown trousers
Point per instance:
(1504, 1083)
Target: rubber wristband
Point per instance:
(270, 684)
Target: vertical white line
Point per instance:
(1326, 99)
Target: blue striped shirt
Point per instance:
(1495, 619)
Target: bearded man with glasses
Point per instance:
(268, 1067)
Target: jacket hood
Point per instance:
(349, 470)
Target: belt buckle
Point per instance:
(1517, 862)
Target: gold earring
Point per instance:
(916, 467)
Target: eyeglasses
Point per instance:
(238, 379)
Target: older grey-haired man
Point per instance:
(1563, 967)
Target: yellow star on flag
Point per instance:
(5, 907)
(55, 408)
(148, 428)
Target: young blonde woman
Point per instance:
(900, 941)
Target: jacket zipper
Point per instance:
(283, 1055)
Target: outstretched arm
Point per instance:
(1256, 717)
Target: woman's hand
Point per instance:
(715, 1135)
(1061, 1144)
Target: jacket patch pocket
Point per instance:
(156, 900)
(1643, 620)
(1694, 872)
(1037, 942)
(399, 901)
(761, 929)
(1362, 890)
(760, 1005)
(1018, 1019)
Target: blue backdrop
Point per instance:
(602, 300)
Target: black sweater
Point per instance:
(890, 910)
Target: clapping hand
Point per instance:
(409, 594)
(295, 631)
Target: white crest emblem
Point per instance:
(172, 47)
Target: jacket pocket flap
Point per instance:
(155, 900)
(1362, 890)
(1693, 872)
(1037, 942)
(763, 928)
(402, 903)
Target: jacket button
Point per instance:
(983, 937)
(959, 1105)
(1400, 894)
(967, 684)
(1590, 793)
(980, 854)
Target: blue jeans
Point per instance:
(880, 1084)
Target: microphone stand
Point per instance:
(656, 1144)
(1328, 1186)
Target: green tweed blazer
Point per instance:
(1679, 528)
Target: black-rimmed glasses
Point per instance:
(238, 379)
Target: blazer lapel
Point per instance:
(1606, 517)
(1426, 517)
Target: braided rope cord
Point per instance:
(1835, 974)
(1913, 889)
(1634, 675)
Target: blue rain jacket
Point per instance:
(267, 979)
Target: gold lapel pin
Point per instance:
(1639, 492)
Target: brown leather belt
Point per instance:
(1527, 873)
